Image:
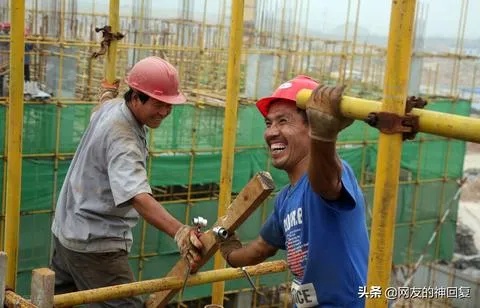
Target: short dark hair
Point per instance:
(129, 94)
(303, 113)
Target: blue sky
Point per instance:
(442, 18)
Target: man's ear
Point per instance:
(134, 98)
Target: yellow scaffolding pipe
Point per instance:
(230, 129)
(390, 149)
(431, 122)
(14, 140)
(166, 283)
(114, 21)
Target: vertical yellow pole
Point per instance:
(389, 149)
(114, 22)
(354, 44)
(61, 57)
(230, 128)
(14, 139)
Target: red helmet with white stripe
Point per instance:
(287, 91)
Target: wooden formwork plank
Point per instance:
(42, 287)
(246, 202)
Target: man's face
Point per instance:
(286, 135)
(152, 112)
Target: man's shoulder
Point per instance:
(345, 164)
(111, 107)
(110, 122)
(349, 174)
(110, 114)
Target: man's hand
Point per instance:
(109, 90)
(189, 245)
(230, 244)
(323, 110)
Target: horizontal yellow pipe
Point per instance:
(167, 283)
(431, 122)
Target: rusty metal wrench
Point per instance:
(250, 281)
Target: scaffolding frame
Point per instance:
(396, 105)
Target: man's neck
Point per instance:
(298, 171)
(130, 107)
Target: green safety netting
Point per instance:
(192, 136)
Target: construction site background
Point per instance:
(185, 151)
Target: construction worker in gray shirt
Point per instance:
(106, 188)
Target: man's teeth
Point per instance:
(277, 148)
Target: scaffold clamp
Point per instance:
(392, 123)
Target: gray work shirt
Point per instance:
(94, 212)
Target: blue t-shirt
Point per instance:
(326, 242)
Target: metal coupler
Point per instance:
(221, 232)
(199, 222)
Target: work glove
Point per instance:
(189, 245)
(323, 110)
(230, 244)
(109, 90)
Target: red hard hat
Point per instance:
(287, 90)
(157, 78)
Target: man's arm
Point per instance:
(325, 169)
(255, 252)
(326, 121)
(155, 214)
(128, 179)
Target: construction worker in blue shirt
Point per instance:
(319, 218)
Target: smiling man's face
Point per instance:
(286, 135)
(151, 113)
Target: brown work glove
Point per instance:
(323, 110)
(230, 244)
(189, 245)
